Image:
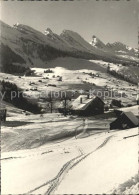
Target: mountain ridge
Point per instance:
(37, 48)
(116, 47)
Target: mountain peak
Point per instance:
(48, 31)
(16, 25)
(69, 33)
(96, 42)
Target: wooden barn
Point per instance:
(125, 120)
(3, 112)
(86, 105)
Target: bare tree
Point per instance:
(66, 104)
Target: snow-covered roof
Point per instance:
(131, 117)
(133, 109)
(79, 104)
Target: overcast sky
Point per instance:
(110, 21)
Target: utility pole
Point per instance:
(64, 98)
(65, 106)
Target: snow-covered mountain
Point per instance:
(122, 49)
(77, 42)
(117, 48)
(48, 32)
(23, 46)
(32, 47)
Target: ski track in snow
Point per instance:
(66, 168)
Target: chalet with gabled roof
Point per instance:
(86, 105)
(125, 120)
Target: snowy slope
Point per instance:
(105, 169)
(96, 164)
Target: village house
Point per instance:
(125, 120)
(86, 105)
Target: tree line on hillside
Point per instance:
(17, 100)
(47, 52)
(121, 76)
(8, 58)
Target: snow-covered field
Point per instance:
(77, 74)
(100, 163)
(113, 163)
(41, 155)
(31, 131)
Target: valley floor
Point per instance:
(86, 76)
